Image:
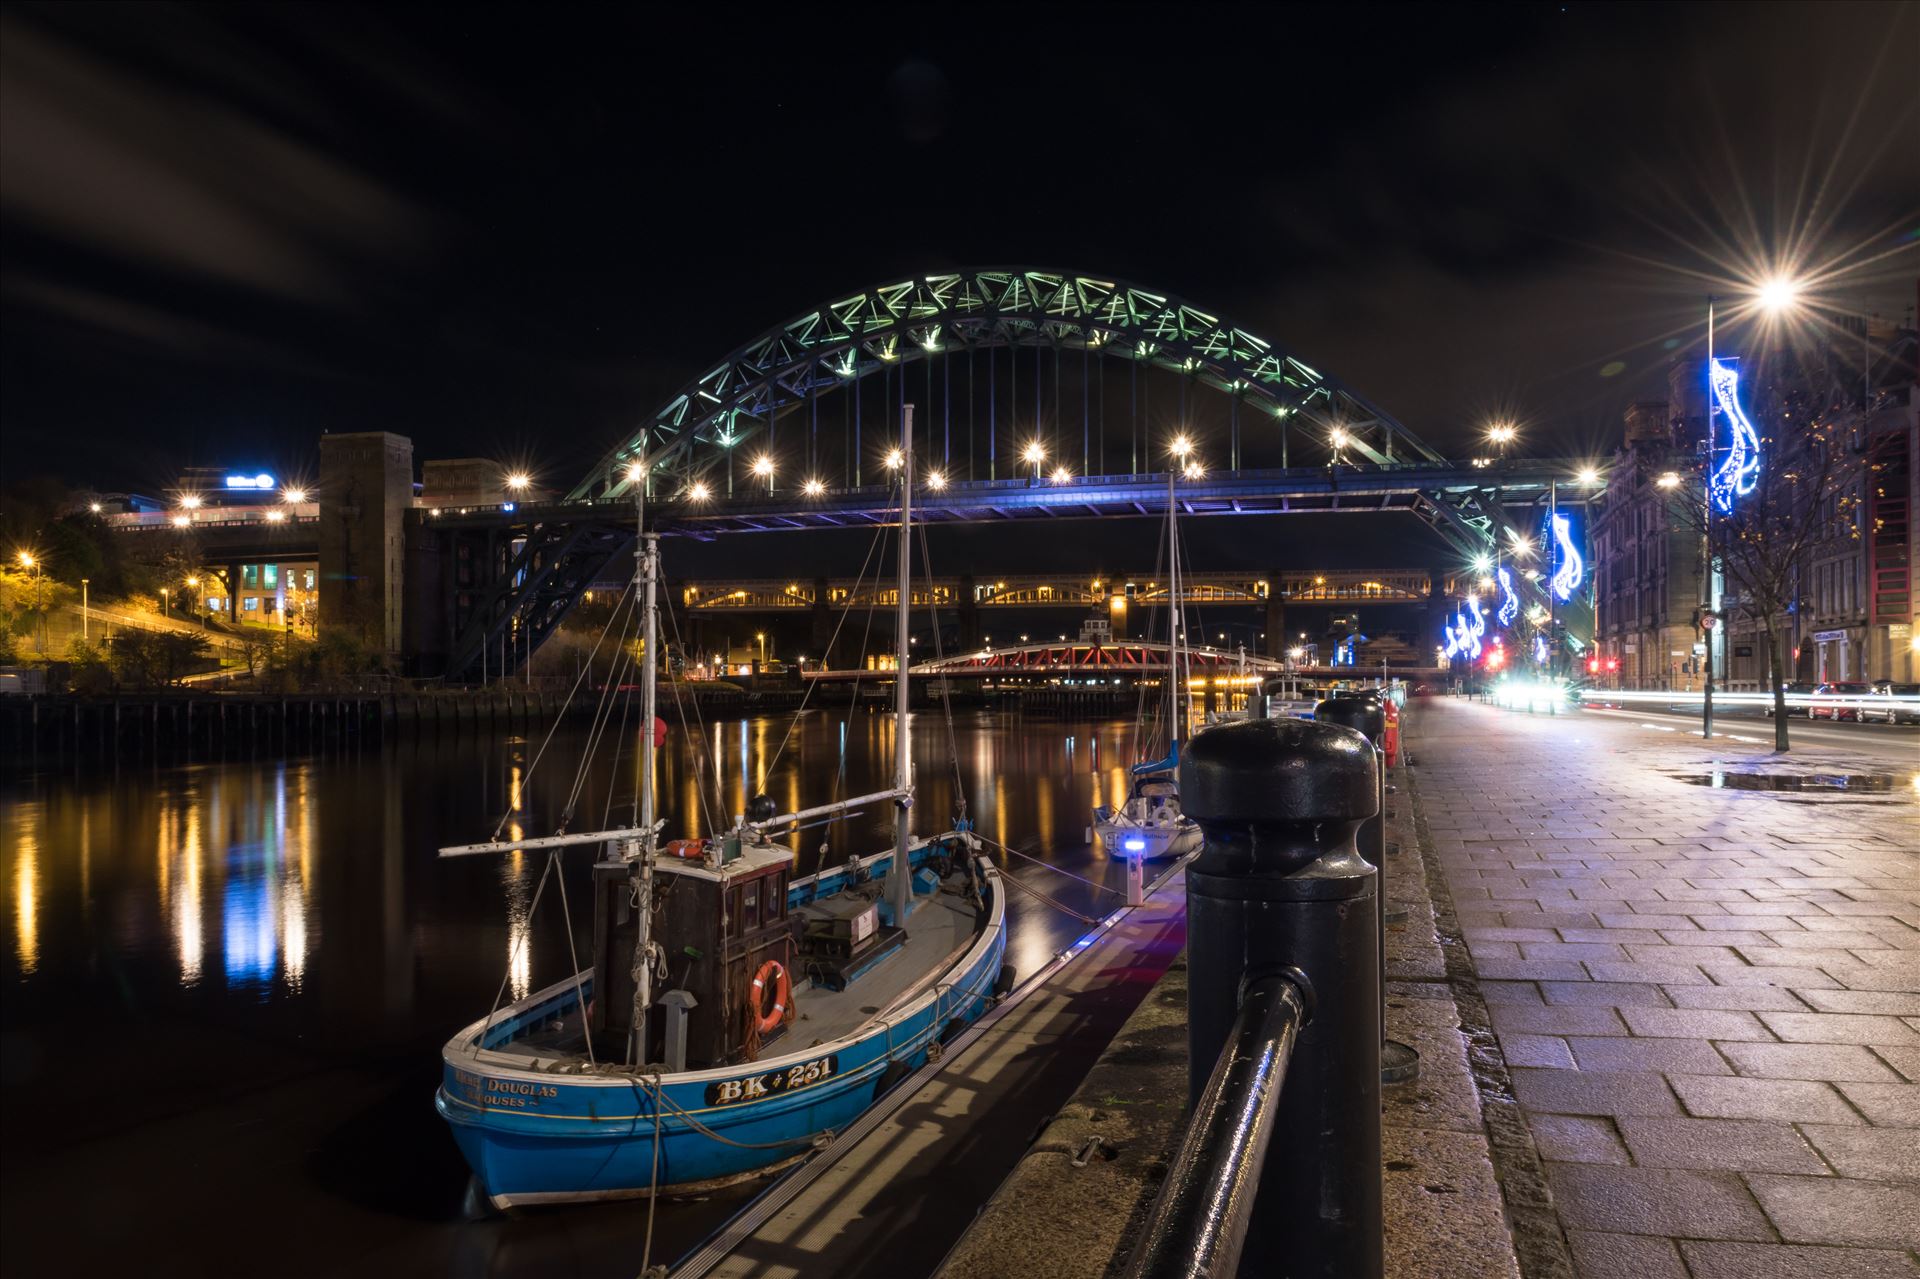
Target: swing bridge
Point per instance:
(1036, 396)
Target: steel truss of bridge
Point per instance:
(1056, 590)
(782, 431)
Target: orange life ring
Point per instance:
(686, 849)
(766, 1023)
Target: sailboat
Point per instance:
(733, 1016)
(1149, 824)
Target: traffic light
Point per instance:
(1496, 658)
(1593, 666)
(1613, 663)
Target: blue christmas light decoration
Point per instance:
(1509, 602)
(1572, 569)
(1540, 649)
(1463, 637)
(1736, 476)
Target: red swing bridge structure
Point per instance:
(1083, 661)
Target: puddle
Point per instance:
(1833, 783)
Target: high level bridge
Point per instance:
(1039, 396)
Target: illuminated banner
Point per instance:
(1509, 602)
(1570, 570)
(260, 481)
(1736, 476)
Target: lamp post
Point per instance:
(84, 629)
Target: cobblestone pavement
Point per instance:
(1708, 1000)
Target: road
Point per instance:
(1896, 744)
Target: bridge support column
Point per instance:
(969, 616)
(1276, 617)
(1437, 603)
(822, 624)
(366, 487)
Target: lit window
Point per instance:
(250, 577)
(270, 576)
(251, 604)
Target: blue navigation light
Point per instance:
(1134, 845)
(1736, 476)
(1572, 570)
(1509, 602)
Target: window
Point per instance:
(307, 579)
(250, 577)
(750, 914)
(251, 604)
(270, 575)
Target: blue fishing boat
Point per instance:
(733, 1017)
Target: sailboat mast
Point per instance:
(1173, 609)
(646, 553)
(899, 880)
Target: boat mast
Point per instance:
(1173, 611)
(899, 879)
(646, 557)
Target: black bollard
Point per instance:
(1399, 1063)
(1278, 888)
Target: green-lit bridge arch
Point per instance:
(834, 346)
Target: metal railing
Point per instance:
(1199, 1223)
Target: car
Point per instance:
(1903, 703)
(1827, 699)
(1796, 689)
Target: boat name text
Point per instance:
(729, 1092)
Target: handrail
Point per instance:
(1199, 1222)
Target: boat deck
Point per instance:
(941, 924)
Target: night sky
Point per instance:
(514, 231)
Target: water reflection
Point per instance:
(26, 902)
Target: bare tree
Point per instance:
(1805, 494)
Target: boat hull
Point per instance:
(533, 1136)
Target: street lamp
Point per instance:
(293, 495)
(191, 502)
(762, 637)
(519, 481)
(1502, 434)
(166, 603)
(83, 609)
(1061, 475)
(699, 492)
(895, 459)
(936, 480)
(763, 468)
(1035, 454)
(814, 488)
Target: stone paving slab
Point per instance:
(1706, 1001)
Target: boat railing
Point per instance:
(1199, 1223)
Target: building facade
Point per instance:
(1646, 572)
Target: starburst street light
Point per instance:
(937, 480)
(191, 502)
(1181, 446)
(636, 472)
(1061, 475)
(1777, 293)
(763, 466)
(518, 481)
(895, 459)
(1671, 480)
(1589, 475)
(814, 487)
(1194, 471)
(293, 495)
(1502, 433)
(698, 491)
(1522, 544)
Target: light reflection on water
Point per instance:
(257, 923)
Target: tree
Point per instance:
(158, 659)
(1804, 493)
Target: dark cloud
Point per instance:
(522, 229)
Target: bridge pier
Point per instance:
(969, 615)
(823, 623)
(1276, 617)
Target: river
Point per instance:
(228, 982)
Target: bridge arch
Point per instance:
(889, 326)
